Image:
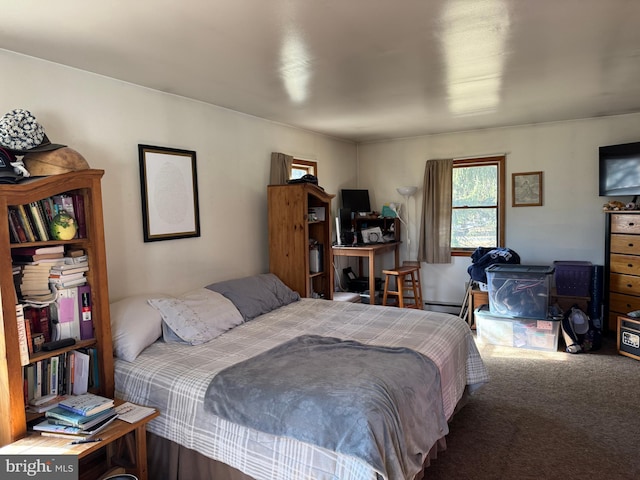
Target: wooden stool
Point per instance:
(410, 281)
(401, 274)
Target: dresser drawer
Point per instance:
(623, 303)
(628, 264)
(625, 223)
(629, 244)
(627, 284)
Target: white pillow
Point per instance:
(134, 325)
(196, 317)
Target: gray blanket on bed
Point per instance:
(380, 404)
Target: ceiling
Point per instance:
(362, 70)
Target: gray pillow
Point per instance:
(256, 295)
(196, 317)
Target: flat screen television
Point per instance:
(356, 200)
(620, 170)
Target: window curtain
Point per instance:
(435, 224)
(280, 168)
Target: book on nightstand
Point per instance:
(86, 404)
(60, 416)
(53, 427)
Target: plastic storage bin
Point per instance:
(519, 290)
(572, 278)
(528, 333)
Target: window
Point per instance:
(477, 215)
(300, 168)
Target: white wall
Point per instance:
(105, 120)
(569, 225)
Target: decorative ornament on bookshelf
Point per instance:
(63, 227)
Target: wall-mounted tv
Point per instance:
(356, 200)
(620, 170)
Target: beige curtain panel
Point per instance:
(435, 224)
(280, 168)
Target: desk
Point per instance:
(370, 252)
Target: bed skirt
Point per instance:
(169, 461)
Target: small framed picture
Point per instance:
(526, 189)
(169, 187)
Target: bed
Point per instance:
(170, 349)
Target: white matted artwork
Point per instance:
(169, 190)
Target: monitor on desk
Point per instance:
(356, 200)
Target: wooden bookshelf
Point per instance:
(293, 223)
(13, 418)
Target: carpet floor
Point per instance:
(548, 415)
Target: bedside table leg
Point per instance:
(141, 452)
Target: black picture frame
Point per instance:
(169, 189)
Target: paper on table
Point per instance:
(132, 413)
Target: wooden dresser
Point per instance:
(622, 266)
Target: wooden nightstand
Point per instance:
(118, 436)
(477, 298)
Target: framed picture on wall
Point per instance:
(526, 189)
(169, 187)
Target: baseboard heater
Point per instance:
(443, 307)
(442, 304)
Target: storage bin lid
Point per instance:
(519, 268)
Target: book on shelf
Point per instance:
(45, 403)
(84, 310)
(36, 257)
(78, 208)
(27, 330)
(39, 318)
(58, 277)
(28, 291)
(53, 371)
(16, 225)
(37, 217)
(49, 262)
(48, 208)
(38, 250)
(72, 267)
(87, 404)
(26, 223)
(60, 283)
(22, 336)
(65, 314)
(94, 367)
(81, 370)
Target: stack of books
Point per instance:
(72, 272)
(32, 282)
(64, 276)
(78, 416)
